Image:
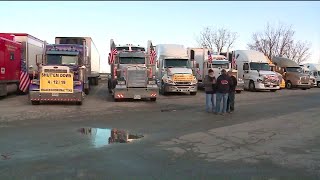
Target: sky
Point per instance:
(162, 22)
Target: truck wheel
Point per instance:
(35, 102)
(97, 81)
(288, 85)
(79, 103)
(238, 91)
(318, 84)
(273, 90)
(251, 86)
(86, 91)
(193, 93)
(153, 99)
(304, 88)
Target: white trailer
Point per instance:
(93, 57)
(174, 70)
(314, 70)
(254, 68)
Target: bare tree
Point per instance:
(279, 41)
(219, 39)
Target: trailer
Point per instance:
(92, 62)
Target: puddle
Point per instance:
(100, 137)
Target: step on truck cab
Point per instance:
(254, 68)
(174, 70)
(202, 62)
(315, 71)
(132, 72)
(291, 73)
(62, 74)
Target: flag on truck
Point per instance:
(24, 77)
(112, 53)
(153, 54)
(209, 57)
(233, 63)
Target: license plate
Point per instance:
(137, 97)
(55, 94)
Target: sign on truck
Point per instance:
(56, 83)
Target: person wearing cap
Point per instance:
(224, 83)
(209, 87)
(232, 92)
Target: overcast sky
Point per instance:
(161, 22)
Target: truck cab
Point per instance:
(254, 68)
(61, 75)
(174, 70)
(315, 71)
(131, 73)
(292, 73)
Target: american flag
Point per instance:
(233, 63)
(24, 77)
(153, 54)
(112, 54)
(209, 57)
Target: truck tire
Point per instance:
(288, 85)
(252, 88)
(318, 84)
(96, 81)
(304, 88)
(86, 91)
(238, 91)
(153, 99)
(35, 102)
(273, 90)
(79, 103)
(193, 93)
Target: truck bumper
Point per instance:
(121, 92)
(240, 86)
(261, 86)
(302, 86)
(76, 96)
(174, 88)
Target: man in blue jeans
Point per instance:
(209, 87)
(224, 83)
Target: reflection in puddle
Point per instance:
(101, 137)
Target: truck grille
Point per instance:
(183, 83)
(137, 77)
(304, 80)
(271, 79)
(55, 70)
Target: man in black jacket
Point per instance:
(232, 92)
(223, 88)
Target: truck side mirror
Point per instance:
(191, 54)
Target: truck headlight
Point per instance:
(169, 81)
(121, 82)
(34, 81)
(239, 79)
(194, 81)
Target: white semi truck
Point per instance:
(174, 70)
(315, 71)
(254, 68)
(201, 64)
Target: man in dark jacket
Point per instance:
(232, 92)
(209, 87)
(223, 88)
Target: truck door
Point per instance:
(2, 65)
(246, 74)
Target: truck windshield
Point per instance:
(176, 63)
(54, 59)
(132, 60)
(294, 69)
(259, 66)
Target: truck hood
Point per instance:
(267, 73)
(179, 70)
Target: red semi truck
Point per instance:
(10, 65)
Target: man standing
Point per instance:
(223, 87)
(232, 92)
(209, 87)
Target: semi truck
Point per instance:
(254, 68)
(174, 70)
(62, 74)
(306, 71)
(92, 62)
(201, 64)
(10, 64)
(291, 73)
(315, 71)
(132, 74)
(30, 48)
